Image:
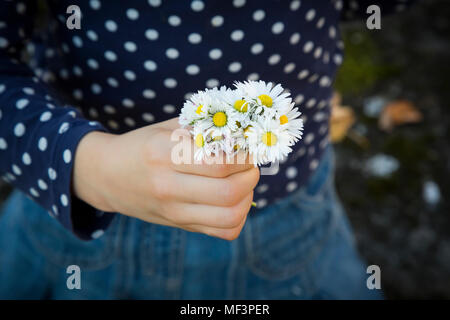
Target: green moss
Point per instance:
(363, 65)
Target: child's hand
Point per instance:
(133, 174)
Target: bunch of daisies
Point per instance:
(256, 117)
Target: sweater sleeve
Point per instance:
(39, 134)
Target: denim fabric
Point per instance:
(301, 247)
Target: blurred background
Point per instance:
(390, 127)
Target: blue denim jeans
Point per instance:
(301, 247)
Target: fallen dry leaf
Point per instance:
(341, 120)
(397, 113)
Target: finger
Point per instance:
(219, 166)
(222, 233)
(211, 191)
(184, 214)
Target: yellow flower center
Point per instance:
(266, 100)
(284, 119)
(246, 130)
(199, 109)
(241, 106)
(220, 119)
(269, 139)
(199, 141)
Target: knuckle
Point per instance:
(235, 215)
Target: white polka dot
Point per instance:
(64, 200)
(77, 41)
(289, 67)
(325, 81)
(130, 122)
(274, 59)
(262, 188)
(168, 108)
(149, 94)
(26, 159)
(253, 76)
(28, 90)
(259, 15)
(42, 144)
(237, 35)
(291, 186)
(3, 43)
(129, 75)
(303, 74)
(67, 156)
(170, 83)
(128, 103)
(261, 203)
(215, 54)
(2, 88)
(308, 47)
(318, 52)
(130, 46)
(217, 21)
(97, 234)
(211, 83)
(77, 94)
(17, 171)
(313, 78)
(291, 172)
(3, 144)
(95, 4)
(148, 117)
(22, 103)
(234, 67)
(310, 103)
(309, 138)
(109, 109)
(92, 35)
(42, 185)
(194, 38)
(295, 38)
(299, 99)
(132, 14)
(172, 53)
(111, 26)
(112, 82)
(150, 65)
(320, 23)
(19, 129)
(52, 174)
(96, 88)
(55, 210)
(257, 48)
(313, 165)
(174, 21)
(92, 63)
(77, 71)
(192, 69)
(113, 124)
(151, 34)
(111, 56)
(278, 27)
(154, 3)
(295, 5)
(63, 128)
(238, 3)
(337, 58)
(332, 32)
(34, 192)
(310, 14)
(197, 5)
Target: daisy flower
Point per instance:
(194, 109)
(221, 120)
(236, 99)
(267, 98)
(268, 142)
(289, 120)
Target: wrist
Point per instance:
(89, 180)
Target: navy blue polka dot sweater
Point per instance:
(133, 63)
